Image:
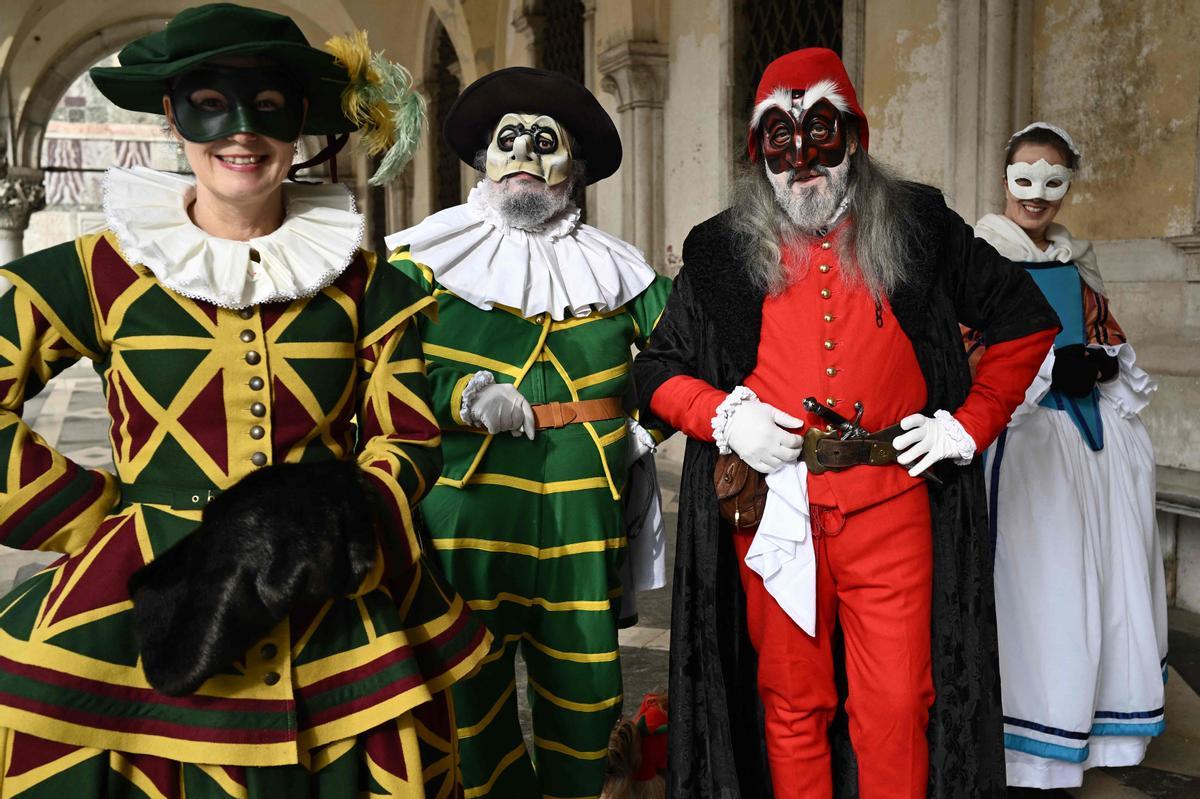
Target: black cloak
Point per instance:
(710, 329)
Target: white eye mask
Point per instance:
(1045, 181)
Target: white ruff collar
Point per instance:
(1011, 241)
(563, 268)
(147, 212)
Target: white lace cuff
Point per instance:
(738, 397)
(477, 383)
(964, 445)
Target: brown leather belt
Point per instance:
(825, 452)
(561, 414)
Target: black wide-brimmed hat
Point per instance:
(524, 90)
(200, 34)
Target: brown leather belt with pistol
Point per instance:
(552, 415)
(742, 492)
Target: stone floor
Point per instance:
(70, 414)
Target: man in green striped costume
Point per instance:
(528, 364)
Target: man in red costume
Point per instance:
(830, 279)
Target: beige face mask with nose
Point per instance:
(532, 143)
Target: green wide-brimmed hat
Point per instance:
(206, 32)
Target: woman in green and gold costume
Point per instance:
(244, 609)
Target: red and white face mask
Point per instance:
(799, 129)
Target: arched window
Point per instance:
(767, 29)
(562, 51)
(447, 180)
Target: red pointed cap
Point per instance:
(800, 70)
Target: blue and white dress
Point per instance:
(1080, 592)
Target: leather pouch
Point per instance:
(741, 491)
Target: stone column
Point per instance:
(636, 74)
(989, 84)
(589, 79)
(21, 193)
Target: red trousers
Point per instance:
(874, 575)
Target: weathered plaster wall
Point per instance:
(1122, 79)
(695, 115)
(905, 79)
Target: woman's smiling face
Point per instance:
(1033, 216)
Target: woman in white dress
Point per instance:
(1080, 598)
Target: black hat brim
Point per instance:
(473, 116)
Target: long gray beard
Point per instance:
(814, 208)
(527, 209)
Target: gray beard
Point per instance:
(527, 209)
(813, 208)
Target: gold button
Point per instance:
(253, 357)
(826, 293)
(259, 459)
(824, 267)
(268, 651)
(247, 336)
(256, 383)
(831, 372)
(825, 245)
(828, 317)
(830, 401)
(271, 678)
(539, 318)
(257, 432)
(829, 344)
(828, 428)
(246, 313)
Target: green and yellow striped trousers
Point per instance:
(533, 542)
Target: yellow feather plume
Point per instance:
(379, 99)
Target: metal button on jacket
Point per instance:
(825, 245)
(831, 401)
(247, 336)
(830, 371)
(824, 267)
(258, 409)
(256, 383)
(257, 432)
(259, 459)
(828, 317)
(268, 651)
(826, 293)
(271, 677)
(252, 357)
(246, 313)
(829, 344)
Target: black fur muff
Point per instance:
(287, 535)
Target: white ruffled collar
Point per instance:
(564, 268)
(320, 236)
(1011, 241)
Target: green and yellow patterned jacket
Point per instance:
(574, 359)
(341, 375)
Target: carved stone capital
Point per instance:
(635, 73)
(21, 193)
(529, 22)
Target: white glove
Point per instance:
(640, 441)
(500, 407)
(756, 433)
(934, 438)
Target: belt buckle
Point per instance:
(812, 437)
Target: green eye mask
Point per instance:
(216, 102)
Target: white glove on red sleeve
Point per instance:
(755, 431)
(931, 440)
(500, 407)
